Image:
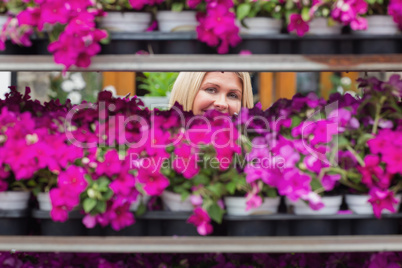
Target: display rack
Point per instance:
(174, 63)
(290, 58)
(201, 244)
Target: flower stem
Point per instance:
(358, 158)
(377, 115)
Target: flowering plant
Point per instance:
(250, 9)
(349, 12)
(66, 24)
(371, 163)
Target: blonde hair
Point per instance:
(187, 84)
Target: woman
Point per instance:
(226, 92)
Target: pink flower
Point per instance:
(120, 216)
(157, 142)
(154, 182)
(111, 165)
(124, 185)
(395, 10)
(393, 158)
(59, 214)
(218, 24)
(382, 199)
(201, 220)
(253, 200)
(314, 200)
(298, 24)
(89, 221)
(62, 197)
(193, 3)
(73, 180)
(186, 162)
(199, 134)
(312, 163)
(294, 184)
(373, 174)
(347, 12)
(196, 200)
(245, 52)
(328, 181)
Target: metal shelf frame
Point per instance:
(201, 244)
(175, 63)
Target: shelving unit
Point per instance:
(201, 244)
(174, 63)
(285, 54)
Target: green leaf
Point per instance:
(106, 196)
(231, 187)
(217, 189)
(271, 192)
(184, 195)
(89, 204)
(362, 140)
(141, 209)
(243, 10)
(315, 184)
(201, 179)
(296, 120)
(305, 13)
(177, 7)
(216, 213)
(101, 207)
(342, 141)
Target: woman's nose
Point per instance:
(220, 103)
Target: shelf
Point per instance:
(252, 63)
(201, 244)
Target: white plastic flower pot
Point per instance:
(319, 26)
(156, 102)
(126, 21)
(3, 20)
(170, 21)
(136, 203)
(260, 25)
(172, 202)
(359, 204)
(44, 201)
(14, 200)
(379, 25)
(236, 206)
(332, 205)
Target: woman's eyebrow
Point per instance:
(235, 89)
(209, 83)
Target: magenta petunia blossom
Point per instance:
(298, 24)
(382, 199)
(111, 164)
(201, 220)
(154, 183)
(186, 161)
(294, 184)
(73, 179)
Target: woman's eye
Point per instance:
(210, 90)
(233, 96)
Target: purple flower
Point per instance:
(154, 182)
(298, 24)
(294, 184)
(201, 220)
(382, 199)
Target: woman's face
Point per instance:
(222, 91)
